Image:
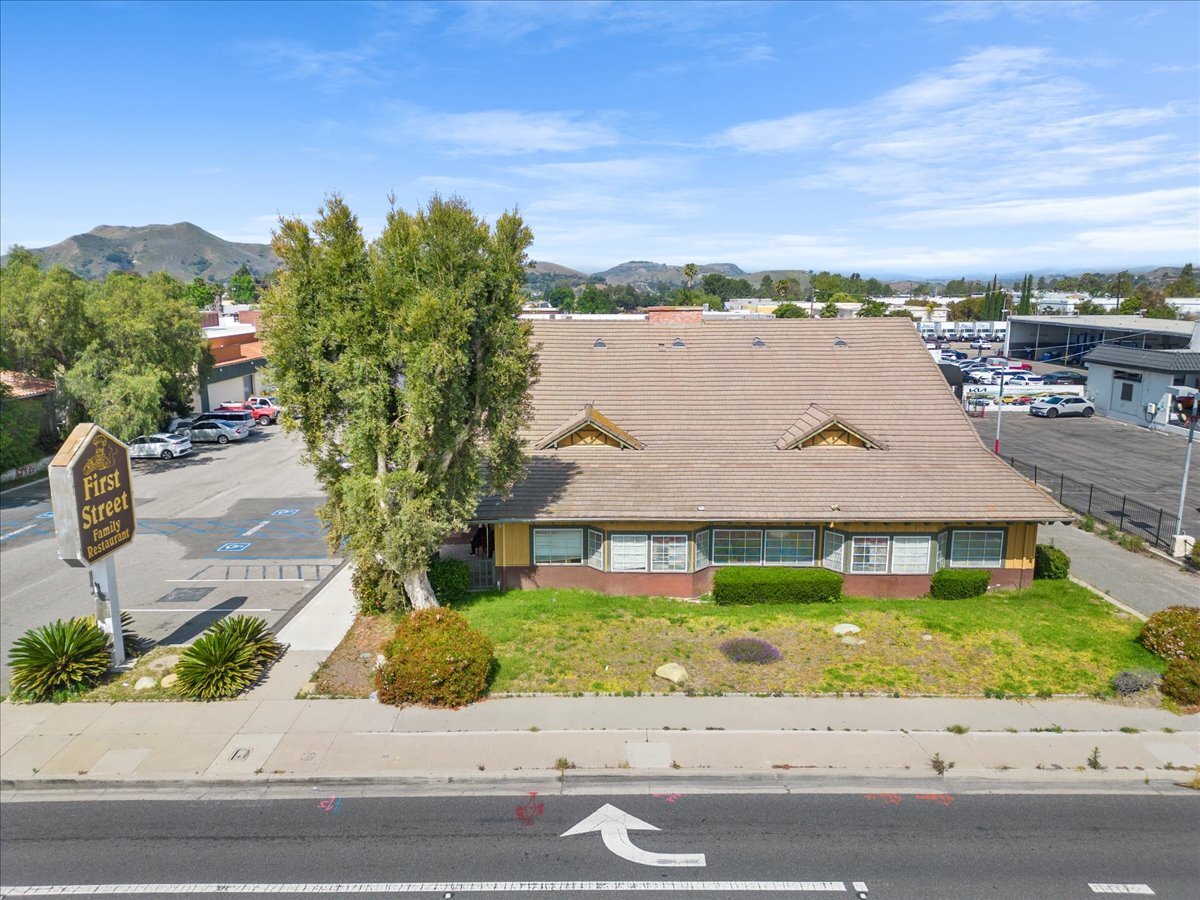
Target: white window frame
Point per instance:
(887, 547)
(595, 550)
(943, 550)
(976, 564)
(617, 540)
(812, 550)
(752, 562)
(703, 539)
(662, 539)
(826, 556)
(555, 531)
(898, 540)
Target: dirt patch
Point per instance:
(350, 669)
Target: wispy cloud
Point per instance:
(331, 70)
(1177, 204)
(1024, 10)
(501, 132)
(1175, 70)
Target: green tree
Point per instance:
(1184, 285)
(689, 274)
(242, 287)
(1025, 306)
(830, 309)
(872, 309)
(790, 311)
(766, 287)
(44, 326)
(409, 368)
(200, 293)
(594, 300)
(783, 288)
(560, 296)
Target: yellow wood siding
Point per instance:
(833, 436)
(512, 544)
(588, 436)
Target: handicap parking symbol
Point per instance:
(45, 515)
(285, 512)
(233, 547)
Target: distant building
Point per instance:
(1138, 386)
(237, 354)
(1067, 339)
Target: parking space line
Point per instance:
(427, 887)
(195, 609)
(256, 528)
(5, 537)
(271, 580)
(1141, 889)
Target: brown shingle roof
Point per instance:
(815, 420)
(710, 415)
(589, 416)
(24, 385)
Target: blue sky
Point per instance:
(928, 139)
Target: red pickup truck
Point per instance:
(266, 410)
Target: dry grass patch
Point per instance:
(346, 673)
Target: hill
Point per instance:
(183, 250)
(643, 272)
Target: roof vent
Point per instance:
(599, 345)
(838, 342)
(758, 342)
(678, 343)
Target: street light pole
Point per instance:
(999, 413)
(1187, 464)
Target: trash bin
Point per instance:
(1046, 357)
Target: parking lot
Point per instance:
(1146, 465)
(225, 529)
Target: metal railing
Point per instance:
(1151, 523)
(483, 573)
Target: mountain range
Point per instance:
(187, 251)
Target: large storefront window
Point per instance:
(972, 549)
(789, 548)
(557, 546)
(627, 552)
(668, 553)
(736, 547)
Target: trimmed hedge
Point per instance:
(1050, 562)
(450, 580)
(1181, 681)
(744, 585)
(1173, 633)
(959, 584)
(435, 659)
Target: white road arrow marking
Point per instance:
(614, 826)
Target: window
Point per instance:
(668, 553)
(595, 549)
(943, 549)
(627, 552)
(869, 555)
(835, 551)
(977, 549)
(910, 554)
(1127, 376)
(557, 546)
(1126, 392)
(789, 548)
(736, 547)
(703, 560)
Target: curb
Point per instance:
(1111, 599)
(307, 598)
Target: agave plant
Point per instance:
(135, 644)
(226, 659)
(62, 657)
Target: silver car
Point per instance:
(1053, 407)
(216, 431)
(160, 446)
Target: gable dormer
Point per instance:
(817, 427)
(589, 427)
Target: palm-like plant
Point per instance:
(62, 657)
(226, 659)
(134, 643)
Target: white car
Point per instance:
(1022, 378)
(216, 431)
(1052, 407)
(981, 344)
(159, 446)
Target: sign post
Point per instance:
(91, 493)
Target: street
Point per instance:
(225, 529)
(865, 844)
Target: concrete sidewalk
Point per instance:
(262, 740)
(1144, 583)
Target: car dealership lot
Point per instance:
(228, 528)
(1146, 465)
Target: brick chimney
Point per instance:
(675, 315)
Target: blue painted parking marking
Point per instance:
(285, 512)
(45, 515)
(234, 547)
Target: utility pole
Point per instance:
(999, 413)
(1187, 464)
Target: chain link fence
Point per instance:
(1151, 523)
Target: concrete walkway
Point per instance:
(1144, 583)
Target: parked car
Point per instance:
(160, 446)
(266, 410)
(981, 344)
(1021, 378)
(953, 355)
(1064, 378)
(229, 416)
(980, 375)
(1052, 407)
(216, 431)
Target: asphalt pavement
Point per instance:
(224, 530)
(879, 845)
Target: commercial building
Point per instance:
(1139, 386)
(237, 360)
(1067, 339)
(662, 449)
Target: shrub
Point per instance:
(56, 659)
(1050, 562)
(765, 584)
(226, 659)
(450, 580)
(1173, 633)
(377, 589)
(750, 650)
(134, 643)
(435, 659)
(1089, 523)
(1181, 681)
(1194, 556)
(1132, 542)
(959, 584)
(1133, 682)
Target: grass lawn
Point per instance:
(1054, 637)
